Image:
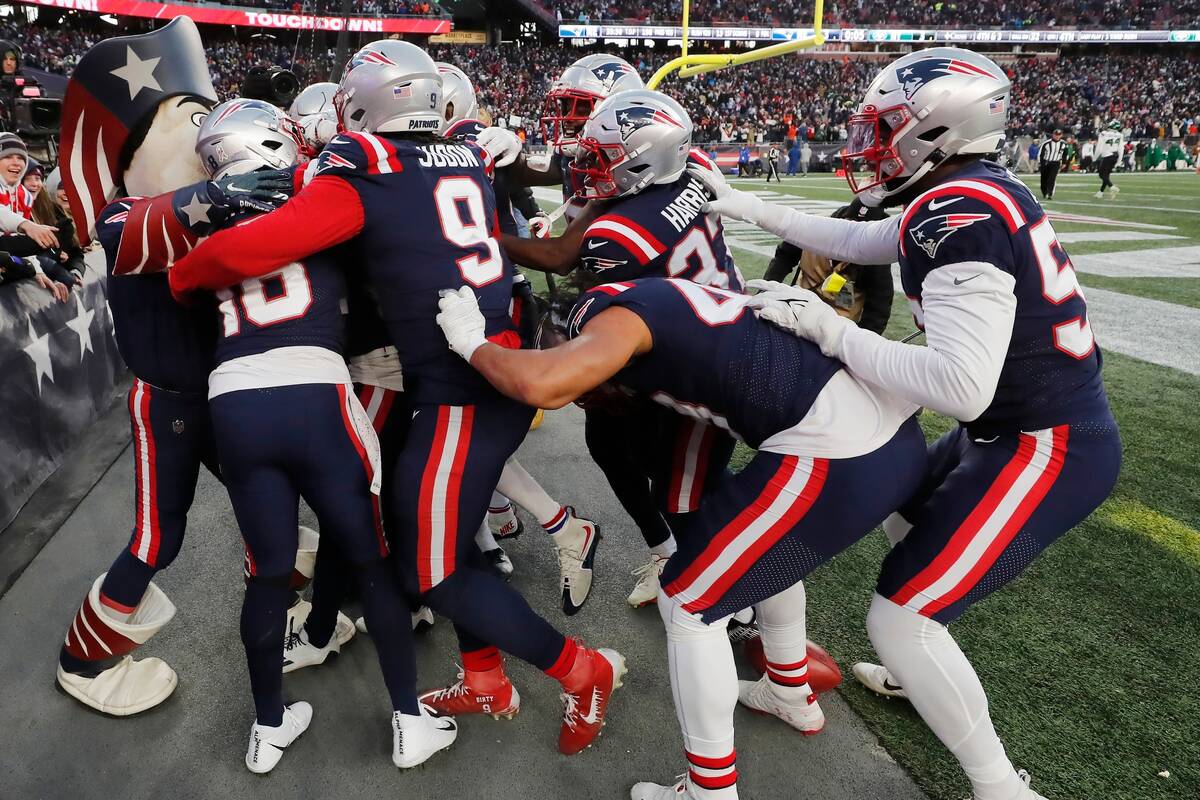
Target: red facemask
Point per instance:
(592, 168)
(870, 158)
(565, 112)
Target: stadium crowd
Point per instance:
(940, 13)
(365, 8)
(1075, 92)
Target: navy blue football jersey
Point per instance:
(429, 223)
(165, 344)
(298, 305)
(660, 232)
(983, 213)
(466, 130)
(712, 358)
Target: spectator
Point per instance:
(34, 175)
(744, 161)
(794, 157)
(13, 159)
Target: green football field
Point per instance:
(1091, 659)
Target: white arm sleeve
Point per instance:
(873, 242)
(969, 310)
(10, 221)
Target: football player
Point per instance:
(281, 375)
(170, 205)
(835, 455)
(631, 158)
(1010, 355)
(570, 534)
(390, 162)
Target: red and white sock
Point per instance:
(520, 487)
(781, 624)
(712, 777)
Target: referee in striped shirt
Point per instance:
(1051, 155)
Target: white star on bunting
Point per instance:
(82, 325)
(196, 210)
(38, 351)
(138, 74)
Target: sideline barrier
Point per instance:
(60, 366)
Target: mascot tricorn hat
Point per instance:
(112, 96)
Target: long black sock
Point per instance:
(331, 579)
(264, 615)
(390, 625)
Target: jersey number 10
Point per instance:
(293, 301)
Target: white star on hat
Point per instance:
(38, 351)
(138, 74)
(196, 210)
(82, 325)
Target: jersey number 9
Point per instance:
(460, 208)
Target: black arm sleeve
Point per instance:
(787, 256)
(876, 285)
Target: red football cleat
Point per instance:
(823, 672)
(599, 674)
(488, 692)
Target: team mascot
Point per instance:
(129, 166)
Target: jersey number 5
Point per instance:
(1059, 284)
(452, 197)
(293, 301)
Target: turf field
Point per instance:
(1091, 659)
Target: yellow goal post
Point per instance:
(689, 65)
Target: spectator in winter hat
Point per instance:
(34, 177)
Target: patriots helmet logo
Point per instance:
(930, 234)
(915, 75)
(609, 72)
(636, 117)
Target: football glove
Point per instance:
(727, 201)
(461, 321)
(501, 143)
(262, 191)
(318, 130)
(540, 225)
(799, 312)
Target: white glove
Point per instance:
(501, 143)
(728, 202)
(539, 226)
(800, 313)
(461, 321)
(318, 129)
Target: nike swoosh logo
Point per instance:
(593, 715)
(891, 687)
(594, 245)
(961, 281)
(934, 205)
(449, 726)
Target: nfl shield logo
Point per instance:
(177, 426)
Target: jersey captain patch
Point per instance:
(930, 234)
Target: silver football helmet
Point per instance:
(575, 94)
(243, 135)
(458, 93)
(316, 98)
(391, 86)
(632, 140)
(920, 110)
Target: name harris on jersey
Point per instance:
(681, 211)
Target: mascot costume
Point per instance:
(131, 115)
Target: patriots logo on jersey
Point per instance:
(609, 72)
(635, 117)
(333, 161)
(930, 234)
(919, 73)
(597, 264)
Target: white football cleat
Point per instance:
(655, 791)
(344, 629)
(576, 546)
(877, 678)
(267, 744)
(416, 737)
(802, 713)
(1026, 778)
(1116, 190)
(299, 652)
(645, 591)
